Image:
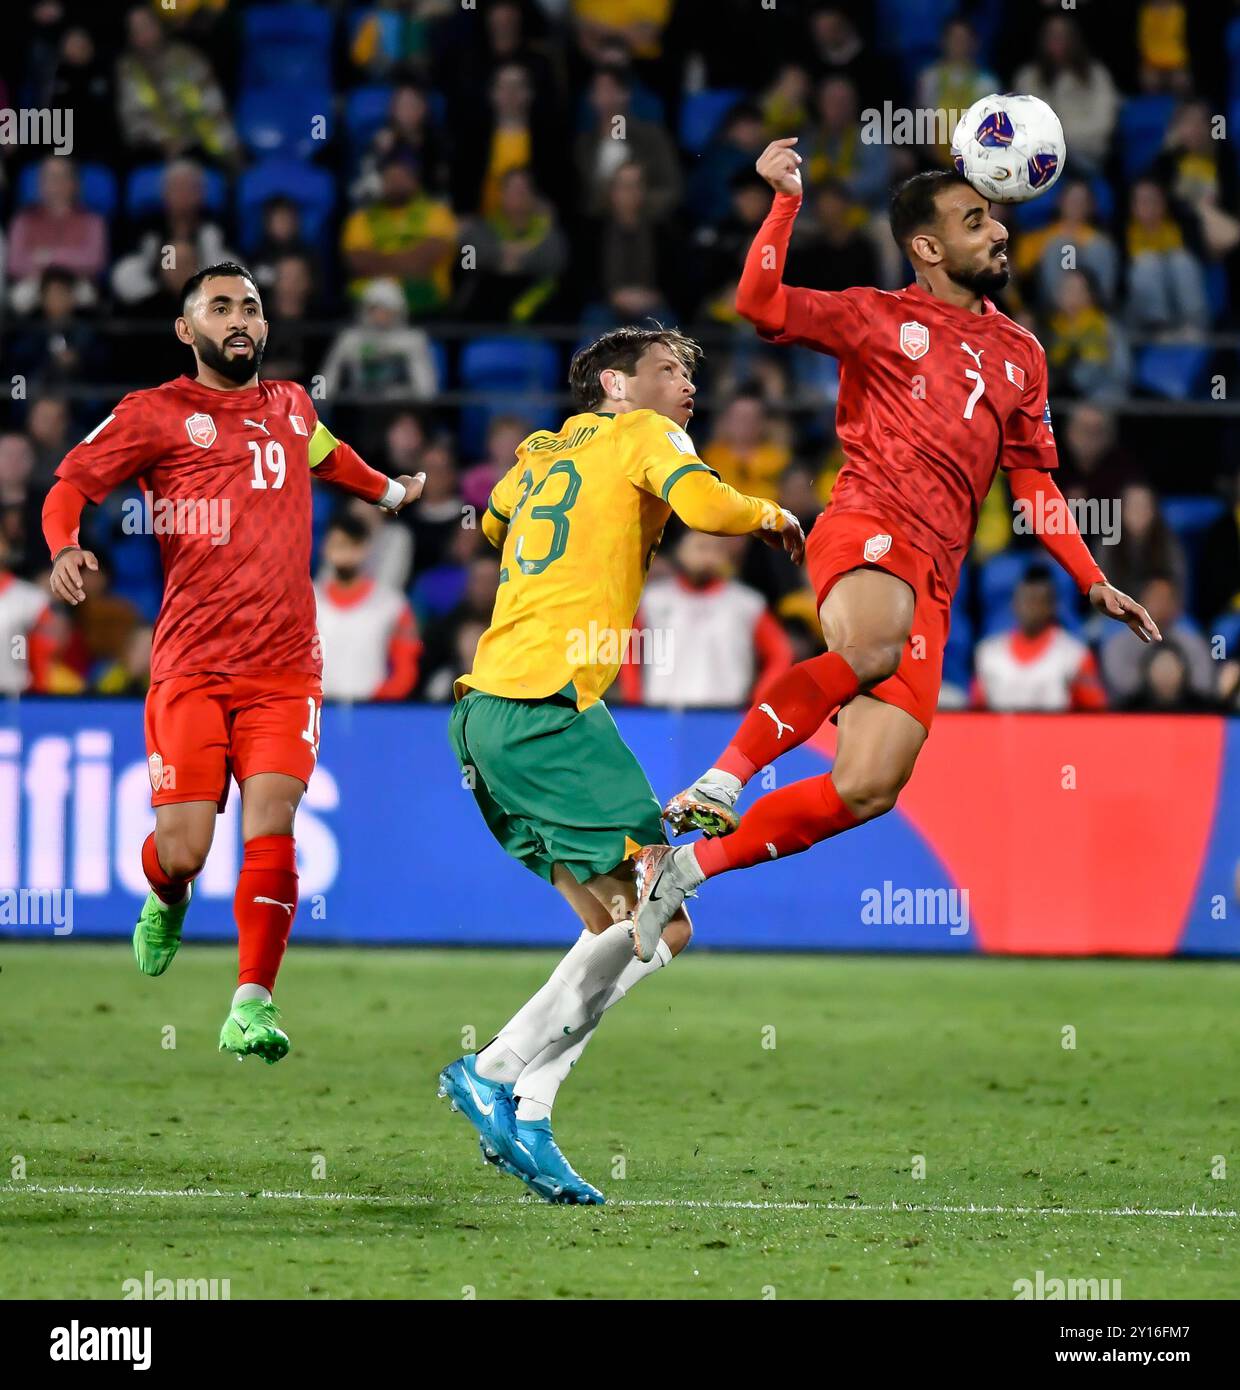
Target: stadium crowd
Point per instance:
(441, 202)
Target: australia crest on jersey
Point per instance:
(876, 547)
(201, 430)
(914, 339)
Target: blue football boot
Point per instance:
(557, 1181)
(488, 1106)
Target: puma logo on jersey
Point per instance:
(976, 356)
(779, 723)
(275, 902)
(256, 425)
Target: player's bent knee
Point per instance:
(872, 662)
(867, 798)
(181, 856)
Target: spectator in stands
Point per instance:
(785, 103)
(381, 356)
(389, 548)
(1073, 241)
(1146, 545)
(1166, 290)
(1038, 665)
(282, 236)
(1081, 90)
(616, 139)
(57, 348)
(21, 506)
(409, 128)
(405, 235)
(24, 630)
(732, 150)
(82, 83)
(630, 255)
(1162, 596)
(836, 48)
(834, 251)
(520, 255)
(56, 231)
(47, 427)
(440, 512)
(832, 147)
(169, 100)
(720, 250)
(1199, 173)
(956, 81)
(404, 443)
(1085, 351)
(747, 449)
(474, 607)
(1091, 462)
(130, 673)
(173, 265)
(703, 639)
(391, 37)
(370, 640)
(437, 689)
(512, 132)
(1219, 581)
(1164, 686)
(1162, 40)
(504, 433)
(183, 219)
(295, 346)
(605, 29)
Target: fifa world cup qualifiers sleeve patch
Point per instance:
(322, 442)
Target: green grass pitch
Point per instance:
(755, 1122)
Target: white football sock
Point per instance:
(723, 786)
(686, 869)
(565, 1003)
(244, 992)
(537, 1085)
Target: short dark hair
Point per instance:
(913, 205)
(350, 526)
(212, 272)
(620, 350)
(1038, 573)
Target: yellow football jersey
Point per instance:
(583, 510)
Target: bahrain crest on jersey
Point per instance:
(914, 339)
(201, 430)
(876, 547)
(155, 766)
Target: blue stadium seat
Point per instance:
(1218, 290)
(1226, 625)
(287, 46)
(365, 111)
(1232, 41)
(1139, 135)
(1189, 515)
(958, 653)
(284, 123)
(1175, 371)
(144, 191)
(504, 368)
(97, 182)
(313, 190)
(997, 581)
(702, 113)
(913, 29)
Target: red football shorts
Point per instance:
(203, 728)
(843, 541)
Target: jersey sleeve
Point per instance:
(1028, 440)
(121, 446)
(500, 505)
(832, 321)
(658, 454)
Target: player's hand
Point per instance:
(784, 533)
(779, 164)
(413, 484)
(67, 574)
(1109, 600)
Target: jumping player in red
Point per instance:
(938, 389)
(224, 461)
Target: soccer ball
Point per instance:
(1010, 148)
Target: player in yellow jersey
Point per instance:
(578, 518)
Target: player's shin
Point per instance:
(572, 996)
(781, 823)
(538, 1084)
(265, 904)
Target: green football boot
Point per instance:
(158, 933)
(251, 1028)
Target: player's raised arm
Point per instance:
(333, 461)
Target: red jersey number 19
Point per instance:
(273, 459)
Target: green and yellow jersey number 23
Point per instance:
(554, 512)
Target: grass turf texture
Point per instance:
(875, 1061)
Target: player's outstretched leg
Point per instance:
(157, 936)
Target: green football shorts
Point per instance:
(556, 785)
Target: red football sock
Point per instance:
(264, 904)
(781, 823)
(167, 889)
(802, 699)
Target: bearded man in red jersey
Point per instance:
(938, 390)
(224, 462)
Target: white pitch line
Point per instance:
(423, 1200)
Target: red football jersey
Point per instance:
(225, 479)
(933, 400)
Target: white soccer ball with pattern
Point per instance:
(1010, 148)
